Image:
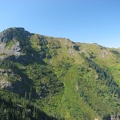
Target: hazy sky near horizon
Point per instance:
(89, 21)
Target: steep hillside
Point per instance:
(64, 79)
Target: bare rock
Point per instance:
(4, 84)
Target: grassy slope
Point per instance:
(83, 97)
(101, 104)
(70, 104)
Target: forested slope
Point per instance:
(44, 77)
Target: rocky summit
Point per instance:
(50, 78)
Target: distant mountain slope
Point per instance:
(66, 80)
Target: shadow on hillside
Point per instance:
(116, 53)
(25, 86)
(32, 57)
(8, 104)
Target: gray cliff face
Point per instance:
(16, 87)
(2, 47)
(11, 41)
(12, 33)
(6, 51)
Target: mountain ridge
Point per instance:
(65, 79)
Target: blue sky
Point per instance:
(89, 21)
